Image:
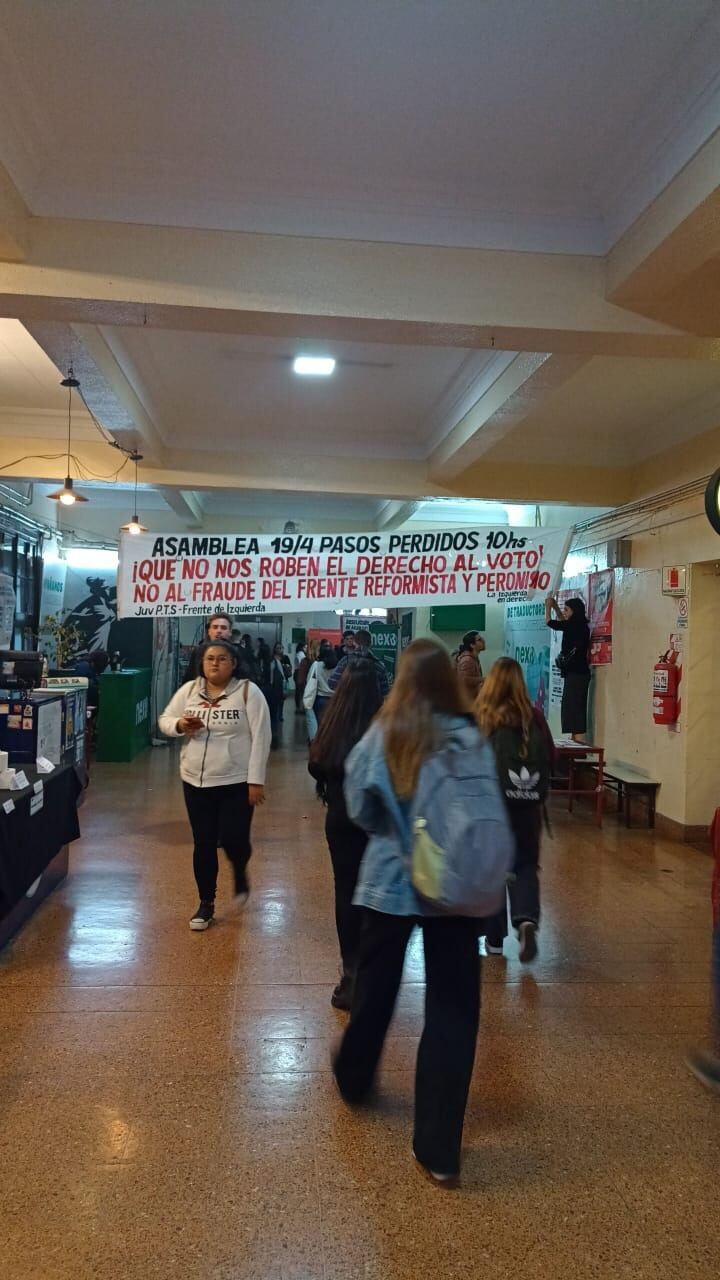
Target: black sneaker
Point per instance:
(342, 996)
(203, 917)
(706, 1067)
(528, 941)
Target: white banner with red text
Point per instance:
(182, 575)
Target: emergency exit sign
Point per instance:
(673, 580)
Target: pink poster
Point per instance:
(601, 596)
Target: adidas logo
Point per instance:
(525, 784)
(524, 780)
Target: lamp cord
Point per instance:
(69, 423)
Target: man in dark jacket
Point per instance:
(219, 627)
(362, 649)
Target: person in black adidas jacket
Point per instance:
(225, 724)
(503, 709)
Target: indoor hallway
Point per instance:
(167, 1106)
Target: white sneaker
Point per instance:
(240, 899)
(492, 951)
(445, 1180)
(203, 917)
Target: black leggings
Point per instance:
(452, 1011)
(347, 844)
(524, 888)
(219, 815)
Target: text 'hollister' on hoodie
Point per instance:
(235, 745)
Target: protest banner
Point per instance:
(185, 575)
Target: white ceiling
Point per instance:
(32, 402)
(210, 392)
(543, 124)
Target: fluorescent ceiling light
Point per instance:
(314, 366)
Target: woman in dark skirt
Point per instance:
(573, 663)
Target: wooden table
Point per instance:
(574, 753)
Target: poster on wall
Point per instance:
(527, 640)
(7, 611)
(406, 630)
(601, 593)
(52, 593)
(90, 605)
(181, 575)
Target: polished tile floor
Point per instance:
(166, 1103)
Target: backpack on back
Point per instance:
(462, 847)
(524, 779)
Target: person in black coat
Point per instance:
(353, 705)
(574, 664)
(276, 691)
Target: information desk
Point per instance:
(574, 754)
(124, 714)
(34, 836)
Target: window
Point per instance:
(21, 561)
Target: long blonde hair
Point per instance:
(313, 650)
(426, 685)
(504, 702)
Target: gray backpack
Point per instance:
(463, 849)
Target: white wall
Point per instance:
(494, 633)
(685, 761)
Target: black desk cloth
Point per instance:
(29, 844)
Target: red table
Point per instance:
(580, 752)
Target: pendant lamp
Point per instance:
(67, 494)
(134, 526)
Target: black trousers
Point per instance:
(446, 1052)
(524, 888)
(219, 815)
(347, 844)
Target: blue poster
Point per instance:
(527, 640)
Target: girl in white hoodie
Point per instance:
(226, 726)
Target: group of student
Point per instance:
(367, 757)
(371, 747)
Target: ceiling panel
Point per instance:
(209, 391)
(32, 402)
(291, 115)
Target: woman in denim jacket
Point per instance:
(425, 708)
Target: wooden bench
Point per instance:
(628, 783)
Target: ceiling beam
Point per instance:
(395, 513)
(396, 479)
(675, 235)
(185, 504)
(174, 278)
(14, 221)
(520, 383)
(104, 385)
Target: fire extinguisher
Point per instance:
(666, 679)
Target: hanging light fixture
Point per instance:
(67, 494)
(134, 526)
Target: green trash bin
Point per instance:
(124, 714)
